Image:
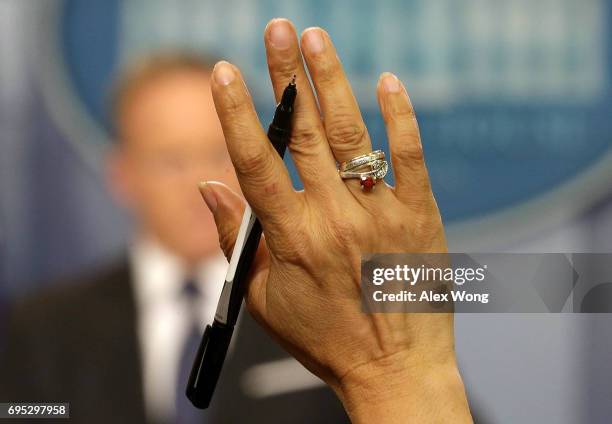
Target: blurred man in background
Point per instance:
(118, 344)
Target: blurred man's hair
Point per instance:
(146, 70)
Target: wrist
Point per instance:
(405, 387)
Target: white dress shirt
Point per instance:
(163, 317)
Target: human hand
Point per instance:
(305, 282)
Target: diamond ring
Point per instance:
(367, 168)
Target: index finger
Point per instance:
(262, 175)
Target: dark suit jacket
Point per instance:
(77, 343)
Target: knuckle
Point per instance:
(423, 185)
(420, 197)
(402, 112)
(427, 229)
(252, 161)
(304, 139)
(328, 71)
(342, 232)
(233, 103)
(345, 134)
(255, 168)
(410, 152)
(296, 248)
(284, 67)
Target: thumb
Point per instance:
(227, 208)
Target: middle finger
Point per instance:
(309, 149)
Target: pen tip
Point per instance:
(293, 80)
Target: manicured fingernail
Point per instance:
(391, 83)
(313, 40)
(280, 34)
(208, 196)
(223, 73)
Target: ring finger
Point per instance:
(344, 127)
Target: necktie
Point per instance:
(186, 413)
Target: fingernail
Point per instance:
(280, 34)
(313, 40)
(223, 73)
(390, 83)
(208, 195)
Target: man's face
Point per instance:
(170, 140)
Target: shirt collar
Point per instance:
(159, 275)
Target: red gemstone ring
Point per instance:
(367, 168)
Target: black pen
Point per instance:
(216, 339)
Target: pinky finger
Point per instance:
(411, 177)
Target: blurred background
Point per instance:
(515, 109)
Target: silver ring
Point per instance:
(367, 168)
(361, 160)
